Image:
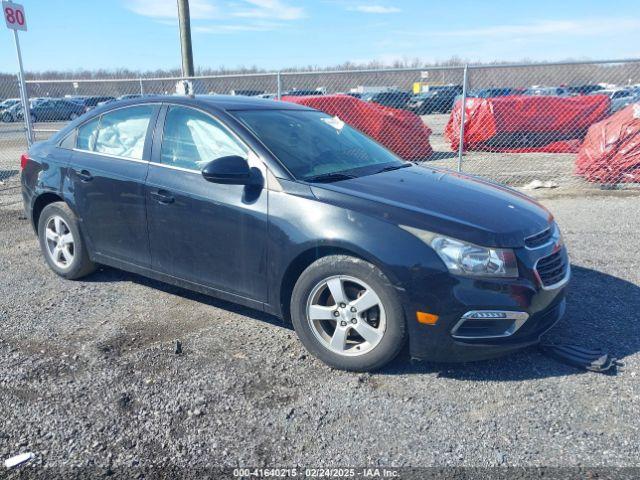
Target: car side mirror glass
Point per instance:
(230, 170)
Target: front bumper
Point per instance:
(427, 346)
(451, 298)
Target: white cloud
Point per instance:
(234, 28)
(199, 9)
(584, 27)
(275, 9)
(381, 9)
(236, 16)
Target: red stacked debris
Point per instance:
(526, 123)
(400, 131)
(610, 152)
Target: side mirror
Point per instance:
(231, 170)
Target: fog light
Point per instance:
(426, 318)
(488, 324)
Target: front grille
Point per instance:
(534, 241)
(552, 269)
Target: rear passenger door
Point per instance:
(106, 182)
(203, 232)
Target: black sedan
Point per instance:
(436, 99)
(8, 103)
(392, 99)
(288, 210)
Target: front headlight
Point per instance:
(463, 258)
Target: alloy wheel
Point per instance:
(346, 315)
(60, 242)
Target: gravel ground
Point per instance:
(89, 377)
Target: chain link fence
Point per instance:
(569, 125)
(13, 141)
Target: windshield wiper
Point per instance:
(394, 167)
(329, 177)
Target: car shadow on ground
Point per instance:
(108, 274)
(601, 312)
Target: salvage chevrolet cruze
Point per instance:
(288, 210)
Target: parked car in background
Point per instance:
(128, 96)
(393, 99)
(75, 98)
(538, 91)
(10, 114)
(46, 110)
(291, 211)
(301, 93)
(584, 89)
(8, 103)
(247, 93)
(36, 100)
(491, 92)
(620, 97)
(92, 102)
(439, 98)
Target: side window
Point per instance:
(87, 134)
(123, 131)
(192, 139)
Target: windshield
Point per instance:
(312, 144)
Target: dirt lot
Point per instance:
(89, 377)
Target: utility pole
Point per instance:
(185, 38)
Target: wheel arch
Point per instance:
(299, 263)
(41, 201)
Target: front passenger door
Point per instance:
(207, 233)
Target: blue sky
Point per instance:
(272, 34)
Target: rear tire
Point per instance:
(61, 242)
(362, 331)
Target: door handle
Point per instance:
(84, 175)
(162, 196)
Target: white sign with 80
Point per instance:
(14, 16)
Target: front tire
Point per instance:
(61, 242)
(347, 313)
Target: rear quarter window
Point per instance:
(87, 134)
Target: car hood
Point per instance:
(444, 202)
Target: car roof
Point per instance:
(221, 102)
